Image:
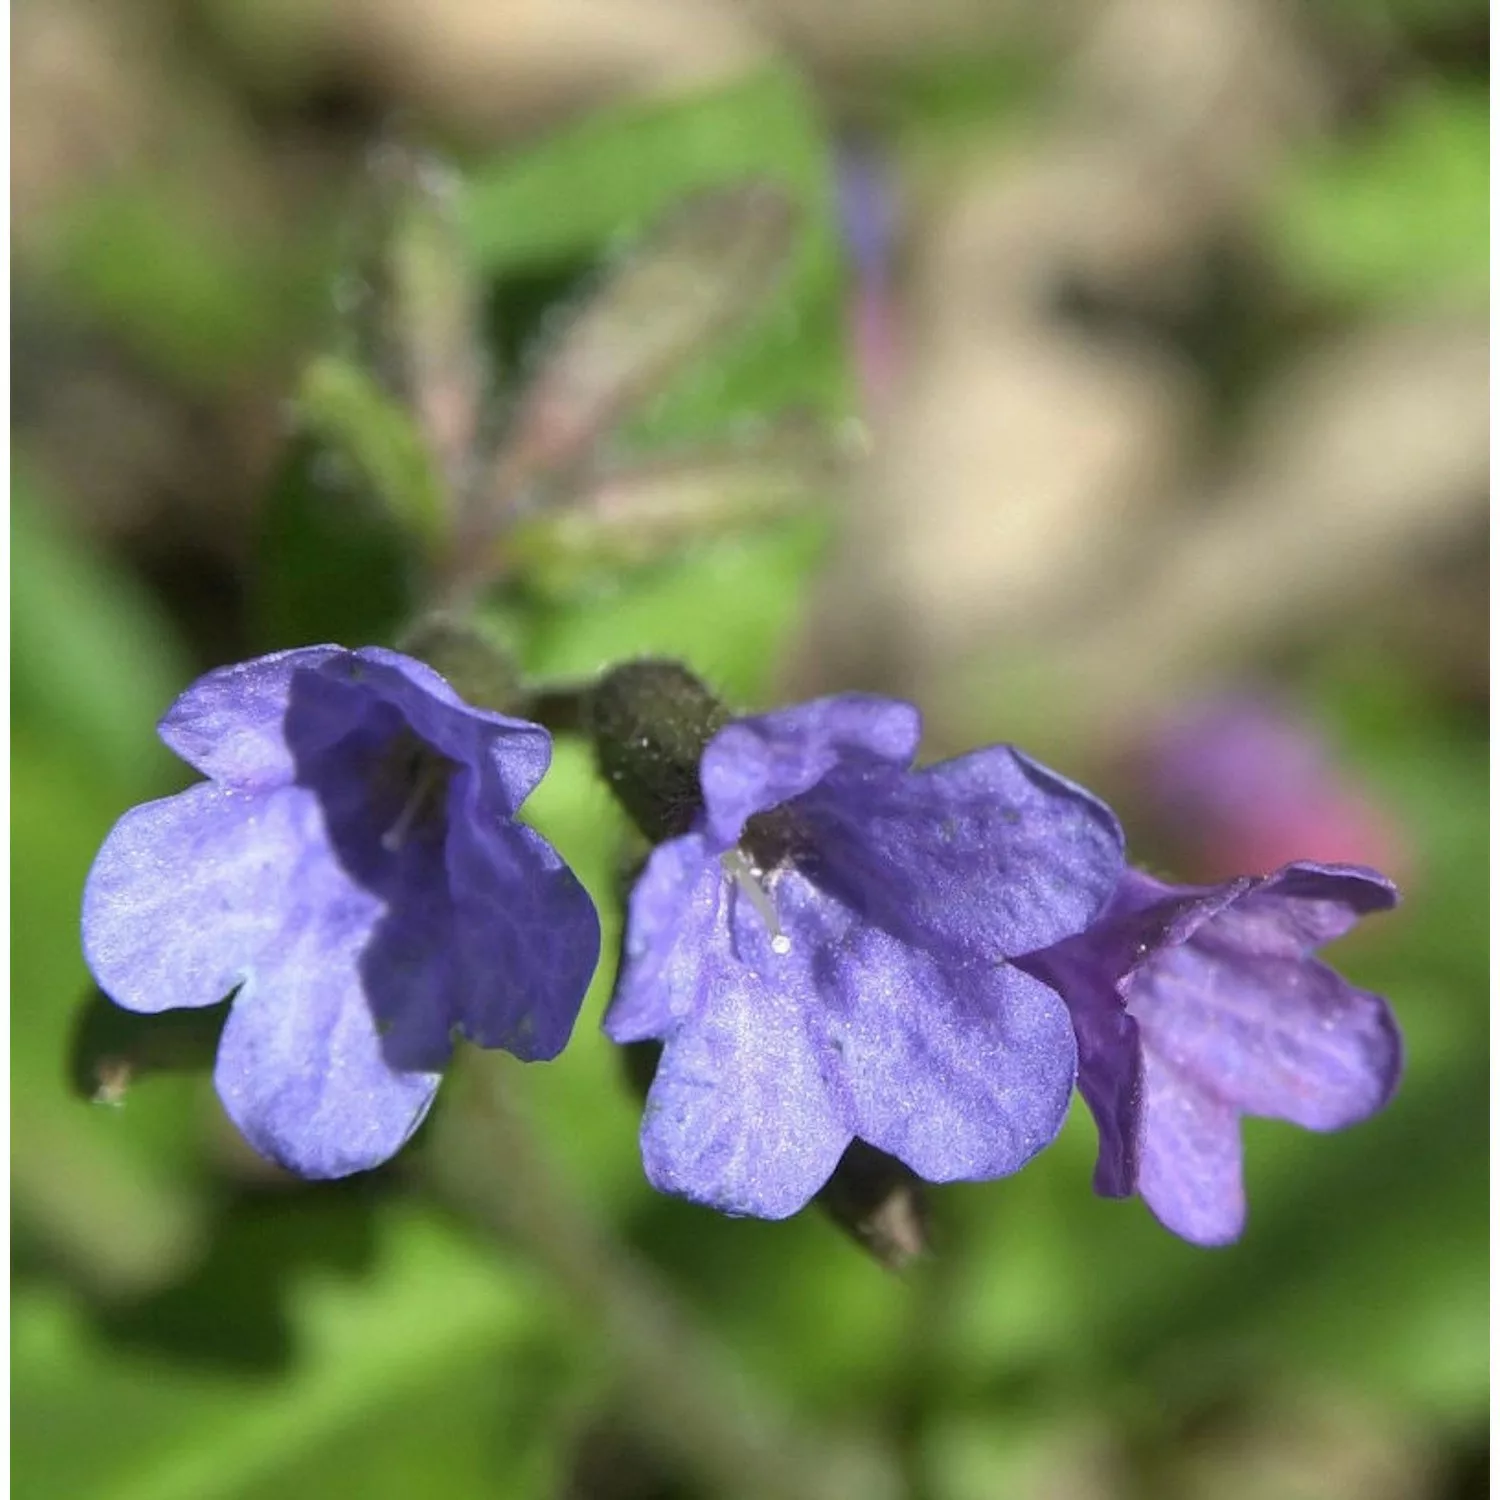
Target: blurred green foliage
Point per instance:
(578, 199)
(192, 294)
(181, 1331)
(1398, 214)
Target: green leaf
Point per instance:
(645, 514)
(345, 409)
(93, 658)
(727, 611)
(701, 271)
(414, 314)
(334, 565)
(421, 1372)
(584, 187)
(1398, 22)
(175, 279)
(106, 1193)
(944, 106)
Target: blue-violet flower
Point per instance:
(1195, 1005)
(353, 870)
(824, 954)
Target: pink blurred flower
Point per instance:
(1242, 783)
(867, 215)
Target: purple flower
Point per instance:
(867, 214)
(824, 955)
(1195, 1005)
(1241, 781)
(353, 870)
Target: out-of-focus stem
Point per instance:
(695, 1408)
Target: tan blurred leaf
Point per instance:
(419, 304)
(633, 516)
(701, 272)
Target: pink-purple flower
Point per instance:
(1197, 1005)
(867, 217)
(826, 956)
(353, 871)
(1242, 782)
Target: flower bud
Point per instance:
(649, 721)
(880, 1203)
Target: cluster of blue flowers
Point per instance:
(830, 944)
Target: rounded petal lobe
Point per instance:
(1143, 917)
(305, 1070)
(962, 1070)
(231, 723)
(187, 893)
(739, 1117)
(1233, 997)
(1110, 1079)
(1284, 1038)
(755, 764)
(1109, 1048)
(1192, 1162)
(525, 932)
(1231, 1015)
(989, 855)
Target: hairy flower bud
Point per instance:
(650, 721)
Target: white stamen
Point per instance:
(429, 778)
(746, 877)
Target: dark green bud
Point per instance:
(880, 1203)
(650, 721)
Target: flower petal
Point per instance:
(1109, 1059)
(511, 754)
(756, 763)
(1226, 991)
(1285, 1038)
(962, 1070)
(990, 854)
(1192, 1161)
(230, 724)
(526, 935)
(1110, 1078)
(1302, 906)
(187, 893)
(674, 909)
(307, 1069)
(739, 1116)
(1142, 918)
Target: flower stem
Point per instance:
(561, 707)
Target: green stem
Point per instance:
(562, 707)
